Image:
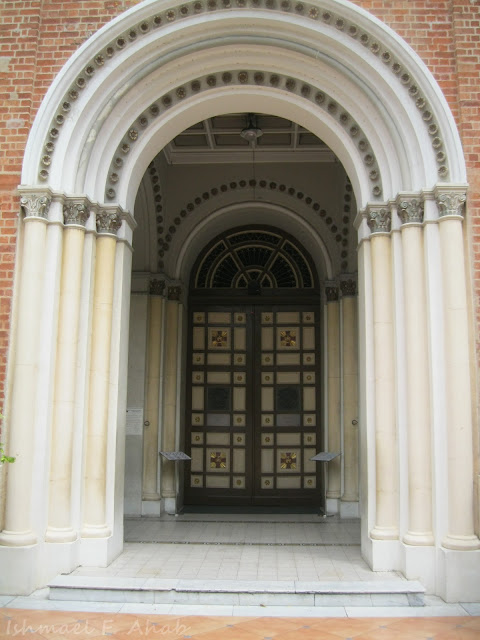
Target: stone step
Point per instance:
(237, 592)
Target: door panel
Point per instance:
(253, 410)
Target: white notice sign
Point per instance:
(134, 422)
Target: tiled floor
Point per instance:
(201, 546)
(56, 625)
(237, 547)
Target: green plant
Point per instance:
(3, 455)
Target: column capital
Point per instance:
(348, 285)
(36, 204)
(157, 287)
(450, 200)
(379, 218)
(108, 221)
(76, 211)
(331, 291)
(410, 208)
(174, 292)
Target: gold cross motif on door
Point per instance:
(218, 460)
(288, 460)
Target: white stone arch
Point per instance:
(367, 73)
(365, 68)
(226, 217)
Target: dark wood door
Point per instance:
(253, 406)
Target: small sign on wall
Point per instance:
(134, 425)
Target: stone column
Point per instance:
(170, 393)
(386, 463)
(60, 528)
(348, 287)
(18, 509)
(152, 409)
(94, 519)
(460, 533)
(410, 211)
(334, 485)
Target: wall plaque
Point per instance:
(134, 425)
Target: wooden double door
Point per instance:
(253, 414)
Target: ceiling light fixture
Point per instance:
(251, 133)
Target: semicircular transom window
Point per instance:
(254, 259)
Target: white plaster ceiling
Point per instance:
(218, 139)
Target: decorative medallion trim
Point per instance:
(108, 222)
(379, 220)
(340, 234)
(450, 202)
(157, 287)
(331, 291)
(319, 98)
(334, 20)
(348, 286)
(76, 212)
(36, 205)
(410, 210)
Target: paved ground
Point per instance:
(56, 625)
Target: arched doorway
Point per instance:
(136, 84)
(254, 404)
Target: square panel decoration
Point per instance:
(287, 398)
(218, 459)
(219, 398)
(288, 460)
(219, 339)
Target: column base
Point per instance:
(461, 543)
(20, 570)
(17, 538)
(151, 507)
(419, 563)
(96, 531)
(385, 555)
(349, 509)
(419, 538)
(332, 505)
(57, 534)
(384, 533)
(458, 573)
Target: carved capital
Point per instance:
(348, 287)
(157, 287)
(108, 222)
(75, 213)
(35, 205)
(379, 220)
(174, 292)
(410, 210)
(451, 203)
(331, 291)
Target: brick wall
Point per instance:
(35, 43)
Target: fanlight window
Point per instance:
(254, 260)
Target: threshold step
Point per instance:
(238, 592)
